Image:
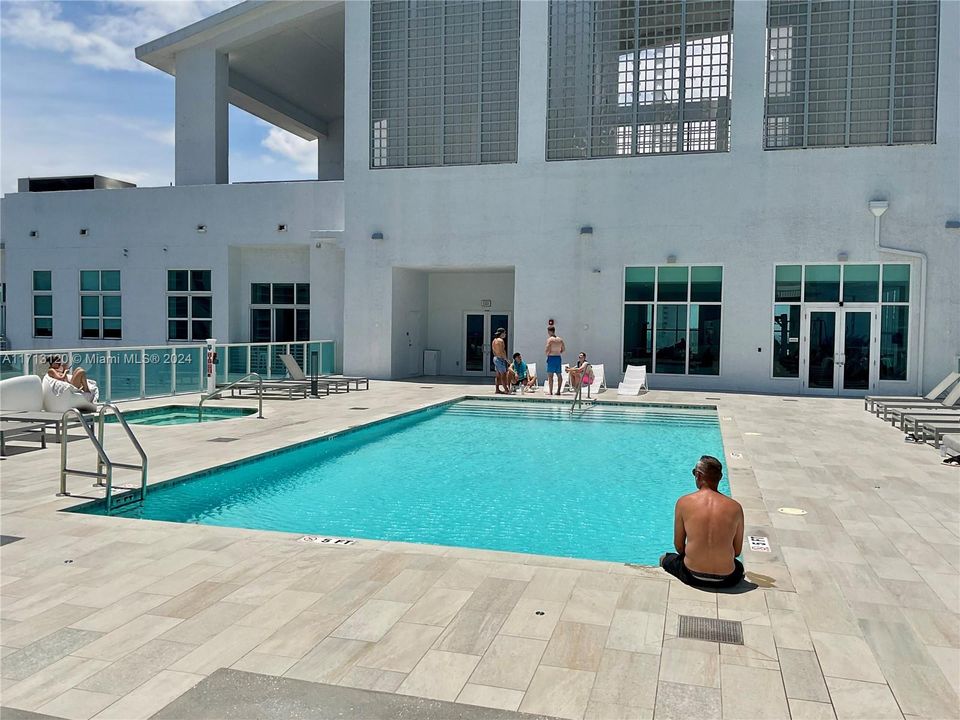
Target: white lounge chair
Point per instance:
(634, 380)
(942, 388)
(532, 372)
(884, 409)
(599, 383)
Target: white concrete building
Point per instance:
(739, 195)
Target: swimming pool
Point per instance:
(519, 476)
(180, 415)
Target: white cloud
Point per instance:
(302, 152)
(104, 39)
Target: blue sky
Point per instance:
(74, 100)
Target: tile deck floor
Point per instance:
(856, 613)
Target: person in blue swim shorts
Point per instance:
(500, 362)
(554, 352)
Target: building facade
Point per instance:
(739, 195)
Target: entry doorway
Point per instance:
(839, 350)
(478, 329)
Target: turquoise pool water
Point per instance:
(180, 415)
(524, 477)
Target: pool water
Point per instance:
(524, 477)
(180, 415)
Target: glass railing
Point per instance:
(128, 373)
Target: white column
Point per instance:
(749, 64)
(532, 123)
(202, 131)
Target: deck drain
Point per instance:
(358, 408)
(223, 439)
(712, 398)
(711, 629)
(789, 399)
(791, 511)
(426, 387)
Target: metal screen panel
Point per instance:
(444, 82)
(850, 72)
(625, 76)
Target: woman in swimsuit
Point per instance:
(583, 372)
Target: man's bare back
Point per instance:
(712, 527)
(555, 345)
(707, 533)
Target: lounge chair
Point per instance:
(599, 383)
(936, 431)
(910, 424)
(532, 372)
(942, 388)
(297, 375)
(25, 399)
(950, 447)
(905, 416)
(883, 409)
(634, 380)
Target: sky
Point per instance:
(74, 100)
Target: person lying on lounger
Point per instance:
(707, 533)
(59, 370)
(519, 374)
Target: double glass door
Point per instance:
(478, 330)
(839, 350)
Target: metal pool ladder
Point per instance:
(105, 465)
(219, 391)
(578, 400)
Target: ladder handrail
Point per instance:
(102, 458)
(105, 465)
(136, 446)
(219, 391)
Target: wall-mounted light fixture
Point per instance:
(952, 225)
(125, 252)
(201, 228)
(377, 236)
(34, 233)
(586, 231)
(671, 259)
(164, 248)
(843, 256)
(319, 245)
(595, 270)
(84, 232)
(282, 227)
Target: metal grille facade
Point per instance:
(850, 72)
(444, 82)
(638, 77)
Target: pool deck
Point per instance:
(855, 613)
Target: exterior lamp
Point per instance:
(201, 228)
(586, 231)
(377, 236)
(671, 259)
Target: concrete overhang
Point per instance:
(286, 59)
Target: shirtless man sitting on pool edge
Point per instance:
(707, 533)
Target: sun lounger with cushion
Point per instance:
(16, 428)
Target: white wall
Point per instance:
(409, 322)
(451, 294)
(747, 209)
(157, 226)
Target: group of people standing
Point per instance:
(516, 374)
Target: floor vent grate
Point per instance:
(789, 399)
(358, 408)
(710, 629)
(426, 387)
(223, 439)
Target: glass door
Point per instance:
(475, 348)
(478, 330)
(839, 351)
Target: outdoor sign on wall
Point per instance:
(486, 303)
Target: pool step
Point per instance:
(594, 413)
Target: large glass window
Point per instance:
(887, 284)
(444, 82)
(851, 72)
(279, 312)
(671, 319)
(894, 319)
(100, 304)
(638, 77)
(189, 305)
(42, 303)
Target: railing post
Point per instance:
(108, 376)
(173, 371)
(211, 366)
(63, 455)
(99, 482)
(143, 373)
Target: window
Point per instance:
(638, 77)
(887, 284)
(671, 319)
(189, 305)
(894, 318)
(848, 73)
(3, 310)
(279, 312)
(444, 82)
(42, 303)
(100, 304)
